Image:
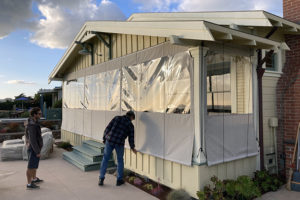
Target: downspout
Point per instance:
(260, 72)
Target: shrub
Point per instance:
(215, 192)
(13, 127)
(178, 195)
(267, 182)
(4, 115)
(58, 104)
(241, 189)
(25, 114)
(64, 145)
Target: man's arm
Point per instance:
(108, 128)
(131, 139)
(32, 133)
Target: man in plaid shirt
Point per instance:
(114, 138)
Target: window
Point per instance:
(228, 84)
(271, 62)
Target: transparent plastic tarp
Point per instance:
(161, 85)
(229, 128)
(113, 81)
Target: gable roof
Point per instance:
(180, 30)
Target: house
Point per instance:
(195, 81)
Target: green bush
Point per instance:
(267, 182)
(241, 189)
(25, 114)
(58, 104)
(178, 195)
(64, 145)
(4, 115)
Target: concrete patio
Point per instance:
(282, 194)
(62, 181)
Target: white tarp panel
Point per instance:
(87, 123)
(98, 124)
(78, 121)
(150, 133)
(179, 138)
(229, 137)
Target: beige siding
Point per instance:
(269, 109)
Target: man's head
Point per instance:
(131, 115)
(36, 113)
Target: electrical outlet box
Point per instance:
(273, 122)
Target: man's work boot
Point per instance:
(101, 182)
(120, 182)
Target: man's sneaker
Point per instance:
(120, 182)
(32, 186)
(37, 180)
(101, 182)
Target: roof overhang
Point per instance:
(185, 31)
(257, 18)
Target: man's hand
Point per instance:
(38, 155)
(134, 151)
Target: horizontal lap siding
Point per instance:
(269, 108)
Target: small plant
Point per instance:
(267, 182)
(158, 190)
(25, 114)
(13, 127)
(216, 192)
(243, 188)
(64, 145)
(178, 195)
(137, 181)
(148, 186)
(131, 179)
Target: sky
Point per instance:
(34, 34)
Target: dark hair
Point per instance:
(130, 114)
(34, 111)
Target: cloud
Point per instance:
(274, 6)
(53, 23)
(1, 76)
(20, 82)
(15, 14)
(62, 20)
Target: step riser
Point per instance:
(96, 145)
(91, 167)
(91, 158)
(101, 151)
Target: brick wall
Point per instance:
(288, 91)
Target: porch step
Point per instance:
(93, 144)
(88, 153)
(87, 156)
(80, 161)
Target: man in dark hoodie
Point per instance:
(34, 142)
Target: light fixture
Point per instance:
(85, 50)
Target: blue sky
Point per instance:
(35, 33)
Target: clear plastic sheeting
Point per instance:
(11, 152)
(161, 85)
(178, 84)
(73, 94)
(113, 86)
(229, 127)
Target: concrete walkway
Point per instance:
(282, 194)
(63, 181)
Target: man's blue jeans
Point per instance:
(107, 154)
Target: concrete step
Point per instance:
(93, 144)
(80, 161)
(77, 159)
(88, 153)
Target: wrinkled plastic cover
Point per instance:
(161, 85)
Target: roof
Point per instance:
(182, 29)
(257, 18)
